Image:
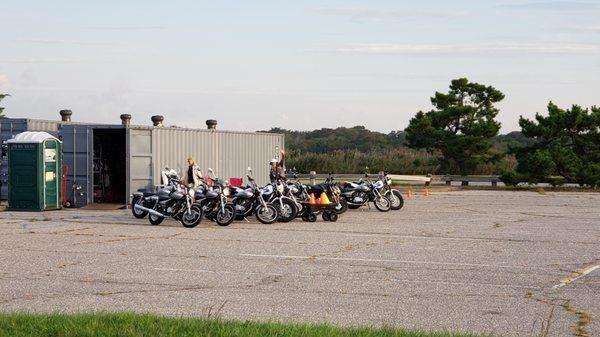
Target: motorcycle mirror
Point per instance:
(211, 170)
(190, 185)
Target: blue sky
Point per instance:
(294, 64)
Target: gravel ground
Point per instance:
(474, 261)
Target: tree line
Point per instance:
(460, 135)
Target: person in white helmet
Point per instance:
(277, 169)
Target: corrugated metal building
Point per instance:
(106, 162)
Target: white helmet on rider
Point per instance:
(273, 161)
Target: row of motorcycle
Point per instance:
(283, 200)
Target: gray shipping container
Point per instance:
(145, 152)
(10, 127)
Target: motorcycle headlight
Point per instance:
(192, 193)
(280, 188)
(294, 190)
(226, 191)
(388, 180)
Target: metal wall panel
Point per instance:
(77, 156)
(139, 159)
(227, 153)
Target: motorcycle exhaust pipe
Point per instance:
(151, 211)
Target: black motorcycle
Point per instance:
(177, 203)
(298, 192)
(275, 194)
(250, 200)
(360, 193)
(392, 194)
(213, 201)
(145, 198)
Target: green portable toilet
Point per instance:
(34, 172)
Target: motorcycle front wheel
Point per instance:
(192, 218)
(266, 214)
(396, 200)
(382, 204)
(286, 208)
(226, 217)
(139, 214)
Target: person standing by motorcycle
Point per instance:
(277, 169)
(194, 174)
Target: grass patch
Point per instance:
(130, 324)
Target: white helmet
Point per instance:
(273, 161)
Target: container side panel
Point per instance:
(227, 153)
(9, 128)
(76, 157)
(140, 159)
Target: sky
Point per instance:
(300, 65)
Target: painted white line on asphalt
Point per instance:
(576, 276)
(385, 260)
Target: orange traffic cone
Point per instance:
(311, 199)
(409, 195)
(319, 201)
(324, 199)
(426, 192)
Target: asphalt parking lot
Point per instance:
(476, 261)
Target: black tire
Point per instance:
(342, 206)
(139, 214)
(193, 219)
(155, 220)
(267, 214)
(326, 216)
(312, 217)
(225, 219)
(400, 203)
(333, 217)
(353, 206)
(289, 212)
(382, 204)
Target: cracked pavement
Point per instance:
(473, 261)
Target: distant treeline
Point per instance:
(350, 150)
(460, 135)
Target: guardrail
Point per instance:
(465, 180)
(313, 177)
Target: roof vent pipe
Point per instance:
(157, 120)
(125, 120)
(211, 124)
(65, 115)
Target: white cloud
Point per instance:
(363, 15)
(128, 28)
(391, 48)
(586, 28)
(71, 42)
(560, 6)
